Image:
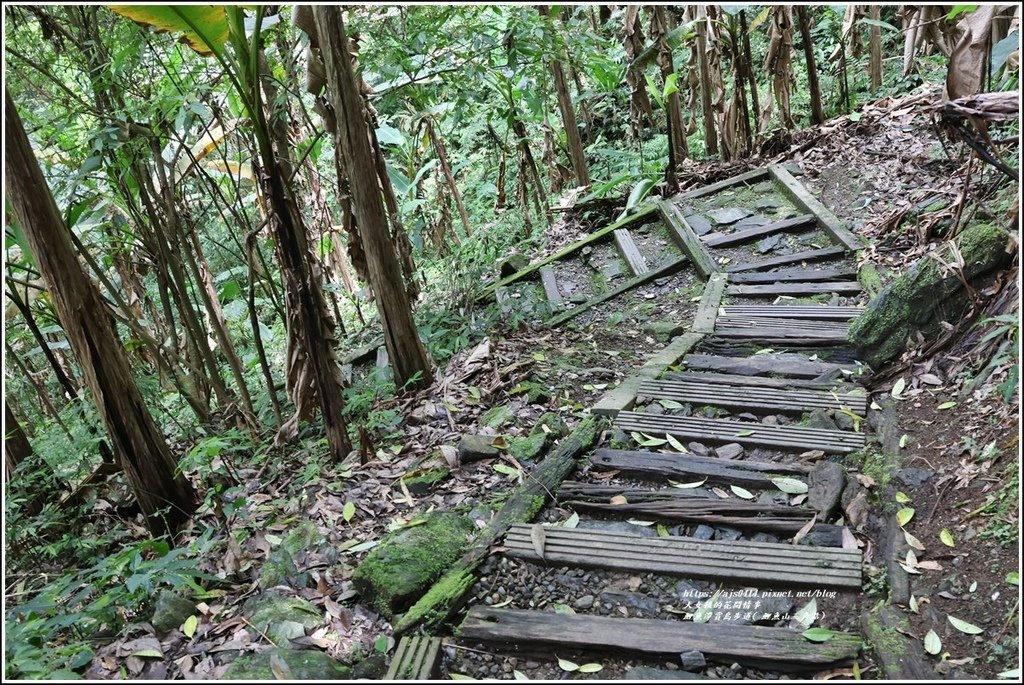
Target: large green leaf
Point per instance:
(203, 27)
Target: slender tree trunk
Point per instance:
(701, 46)
(45, 405)
(446, 169)
(540, 193)
(139, 446)
(748, 66)
(875, 49)
(565, 108)
(408, 357)
(314, 374)
(817, 113)
(660, 27)
(254, 324)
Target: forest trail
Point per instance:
(757, 397)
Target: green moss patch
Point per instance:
(407, 561)
(296, 665)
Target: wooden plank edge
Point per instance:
(746, 177)
(670, 355)
(568, 249)
(666, 270)
(802, 198)
(686, 239)
(629, 252)
(620, 398)
(711, 299)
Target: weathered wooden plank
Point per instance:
(762, 381)
(807, 288)
(900, 656)
(686, 239)
(731, 472)
(416, 658)
(630, 252)
(757, 646)
(781, 260)
(707, 310)
(671, 354)
(789, 365)
(830, 350)
(730, 513)
(786, 438)
(797, 337)
(803, 199)
(786, 311)
(660, 272)
(786, 275)
(759, 231)
(642, 213)
(768, 325)
(761, 564)
(746, 177)
(767, 400)
(554, 295)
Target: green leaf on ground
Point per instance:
(740, 492)
(897, 388)
(567, 665)
(790, 486)
(818, 634)
(947, 538)
(348, 511)
(964, 626)
(947, 405)
(904, 515)
(932, 643)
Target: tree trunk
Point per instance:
(676, 126)
(446, 169)
(817, 113)
(701, 46)
(139, 446)
(16, 446)
(875, 49)
(748, 65)
(408, 357)
(565, 108)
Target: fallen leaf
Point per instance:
(790, 486)
(519, 675)
(947, 405)
(964, 626)
(1013, 578)
(805, 617)
(567, 665)
(618, 500)
(190, 625)
(590, 668)
(676, 445)
(902, 498)
(913, 541)
(932, 643)
(563, 609)
(897, 387)
(805, 530)
(947, 538)
(688, 486)
(904, 515)
(818, 634)
(572, 521)
(538, 537)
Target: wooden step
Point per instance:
(630, 252)
(684, 506)
(755, 646)
(787, 275)
(810, 288)
(547, 278)
(686, 239)
(736, 395)
(758, 381)
(784, 311)
(691, 468)
(796, 258)
(836, 352)
(760, 564)
(761, 364)
(782, 336)
(759, 231)
(773, 324)
(786, 438)
(416, 658)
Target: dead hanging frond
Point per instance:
(968, 59)
(969, 118)
(640, 110)
(778, 61)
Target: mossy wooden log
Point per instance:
(803, 199)
(926, 294)
(569, 249)
(901, 658)
(531, 496)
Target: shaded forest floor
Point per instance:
(888, 174)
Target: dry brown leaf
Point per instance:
(805, 530)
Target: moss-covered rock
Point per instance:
(281, 618)
(556, 426)
(496, 417)
(293, 664)
(373, 667)
(284, 564)
(407, 561)
(870, 279)
(529, 447)
(170, 612)
(925, 295)
(423, 482)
